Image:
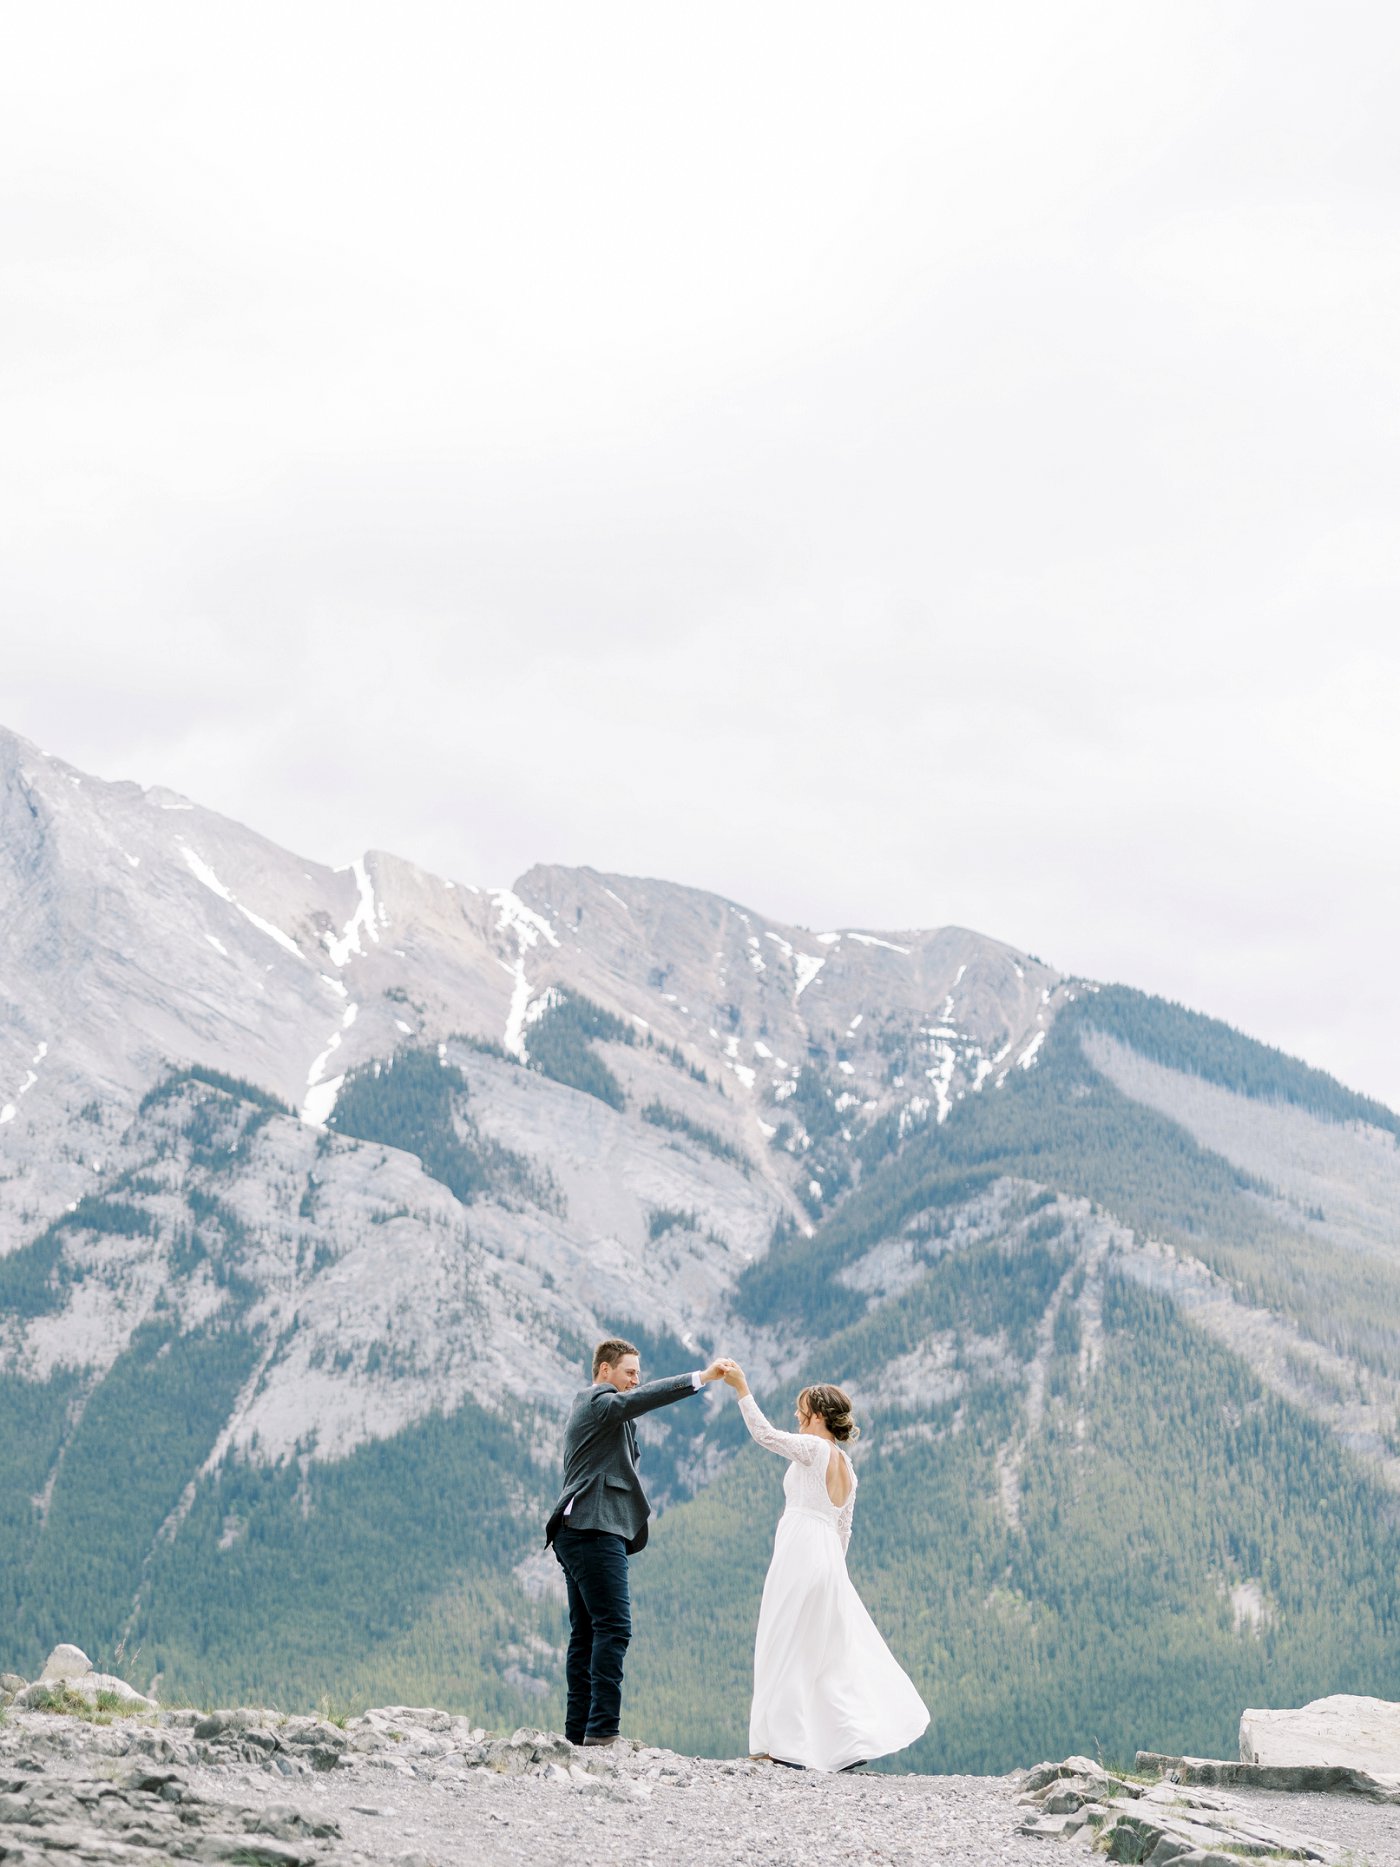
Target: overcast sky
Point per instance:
(893, 465)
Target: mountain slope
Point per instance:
(317, 1185)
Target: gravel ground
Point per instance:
(418, 1788)
(749, 1813)
(715, 1811)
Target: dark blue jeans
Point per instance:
(600, 1626)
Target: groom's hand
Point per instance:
(723, 1369)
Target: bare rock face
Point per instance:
(148, 935)
(1346, 1731)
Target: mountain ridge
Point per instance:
(317, 1185)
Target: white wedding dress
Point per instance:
(827, 1691)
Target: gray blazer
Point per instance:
(600, 1460)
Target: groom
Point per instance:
(601, 1520)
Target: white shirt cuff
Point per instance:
(697, 1379)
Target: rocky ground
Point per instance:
(419, 1788)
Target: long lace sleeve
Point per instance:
(803, 1448)
(844, 1519)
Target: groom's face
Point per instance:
(624, 1376)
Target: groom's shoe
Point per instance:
(610, 1739)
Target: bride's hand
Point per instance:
(734, 1376)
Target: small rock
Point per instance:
(1208, 1857)
(313, 1742)
(253, 1851)
(287, 1823)
(1038, 1777)
(1063, 1802)
(1169, 1849)
(524, 1751)
(1081, 1766)
(142, 1779)
(409, 1717)
(1054, 1827)
(1046, 1773)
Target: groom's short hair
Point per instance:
(612, 1352)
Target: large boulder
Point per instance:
(92, 1686)
(1356, 1733)
(66, 1662)
(68, 1669)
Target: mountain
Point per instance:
(317, 1185)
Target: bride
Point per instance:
(827, 1691)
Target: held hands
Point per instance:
(723, 1369)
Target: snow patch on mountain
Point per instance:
(202, 872)
(941, 1075)
(874, 940)
(528, 928)
(808, 966)
(320, 1099)
(1031, 1051)
(364, 920)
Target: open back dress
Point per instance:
(827, 1691)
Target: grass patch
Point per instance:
(328, 1714)
(68, 1703)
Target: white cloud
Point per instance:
(936, 464)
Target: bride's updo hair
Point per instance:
(833, 1405)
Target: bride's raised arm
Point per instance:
(801, 1447)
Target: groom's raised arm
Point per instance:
(651, 1394)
